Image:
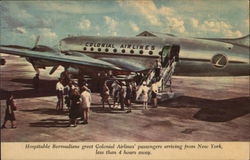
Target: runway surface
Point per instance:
(209, 109)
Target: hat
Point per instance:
(123, 83)
(84, 88)
(74, 82)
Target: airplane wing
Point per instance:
(125, 65)
(60, 59)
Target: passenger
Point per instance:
(98, 83)
(9, 112)
(158, 68)
(122, 94)
(81, 81)
(144, 95)
(85, 103)
(144, 98)
(154, 91)
(105, 94)
(134, 89)
(35, 83)
(115, 92)
(75, 109)
(65, 77)
(129, 96)
(67, 92)
(59, 90)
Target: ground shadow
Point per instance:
(48, 111)
(47, 88)
(212, 110)
(108, 110)
(60, 123)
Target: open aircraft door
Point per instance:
(168, 53)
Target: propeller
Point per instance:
(36, 42)
(53, 69)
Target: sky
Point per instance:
(22, 21)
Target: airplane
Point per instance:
(125, 55)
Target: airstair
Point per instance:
(161, 82)
(169, 58)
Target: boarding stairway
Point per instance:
(161, 81)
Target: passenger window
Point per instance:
(84, 48)
(115, 50)
(91, 48)
(123, 51)
(141, 52)
(99, 49)
(131, 51)
(106, 50)
(150, 52)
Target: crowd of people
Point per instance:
(77, 96)
(117, 94)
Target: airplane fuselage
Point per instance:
(197, 57)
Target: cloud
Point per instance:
(194, 22)
(110, 22)
(74, 7)
(148, 9)
(176, 24)
(230, 33)
(20, 30)
(23, 14)
(114, 33)
(247, 22)
(47, 33)
(214, 27)
(134, 26)
(84, 24)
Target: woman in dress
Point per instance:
(9, 113)
(75, 109)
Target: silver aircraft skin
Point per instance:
(91, 54)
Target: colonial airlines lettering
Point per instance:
(129, 46)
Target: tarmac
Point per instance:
(207, 109)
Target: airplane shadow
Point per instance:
(58, 123)
(212, 110)
(46, 88)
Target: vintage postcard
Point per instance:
(123, 79)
